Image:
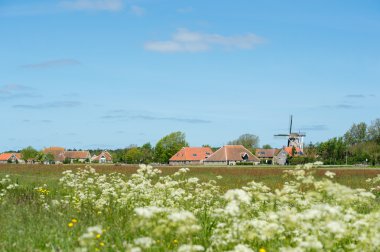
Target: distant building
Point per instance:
(266, 155)
(102, 158)
(10, 158)
(77, 156)
(230, 155)
(57, 153)
(190, 155)
(282, 157)
(61, 155)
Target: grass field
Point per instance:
(233, 176)
(90, 212)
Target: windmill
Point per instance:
(294, 139)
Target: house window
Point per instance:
(194, 155)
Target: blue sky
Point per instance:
(110, 73)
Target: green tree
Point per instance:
(333, 151)
(374, 131)
(168, 146)
(147, 153)
(49, 158)
(28, 152)
(356, 134)
(134, 156)
(249, 141)
(267, 146)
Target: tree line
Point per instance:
(165, 148)
(359, 145)
(169, 145)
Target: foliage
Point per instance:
(333, 151)
(28, 152)
(168, 146)
(133, 156)
(67, 160)
(356, 134)
(360, 145)
(244, 163)
(148, 211)
(249, 141)
(267, 146)
(374, 131)
(299, 160)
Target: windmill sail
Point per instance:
(294, 139)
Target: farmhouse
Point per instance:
(266, 155)
(77, 156)
(282, 157)
(61, 155)
(190, 155)
(10, 158)
(56, 152)
(230, 155)
(102, 158)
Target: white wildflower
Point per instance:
(144, 242)
(239, 195)
(181, 216)
(190, 248)
(330, 174)
(241, 248)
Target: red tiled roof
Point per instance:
(232, 153)
(266, 153)
(105, 154)
(192, 154)
(57, 152)
(77, 154)
(7, 156)
(289, 150)
(53, 149)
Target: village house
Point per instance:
(103, 158)
(77, 156)
(230, 155)
(57, 153)
(282, 157)
(61, 155)
(190, 155)
(10, 158)
(266, 155)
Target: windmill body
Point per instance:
(294, 139)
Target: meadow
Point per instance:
(131, 208)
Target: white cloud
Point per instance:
(184, 40)
(97, 5)
(138, 11)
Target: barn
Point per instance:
(231, 155)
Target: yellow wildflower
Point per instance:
(74, 220)
(70, 224)
(262, 250)
(98, 236)
(101, 244)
